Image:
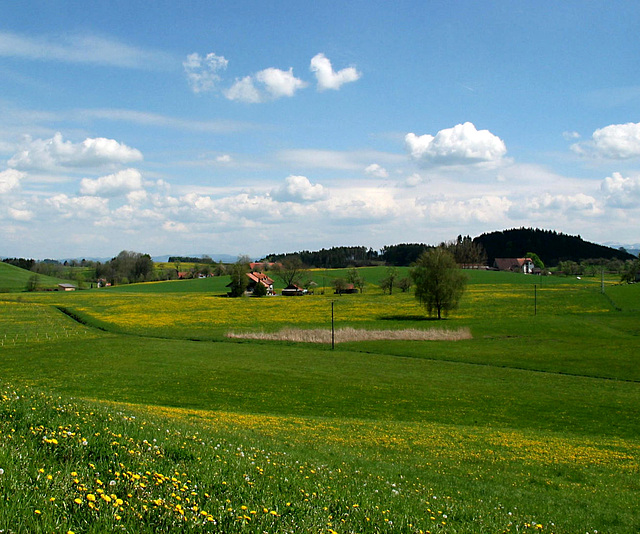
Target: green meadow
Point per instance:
(128, 409)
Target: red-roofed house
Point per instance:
(516, 265)
(260, 278)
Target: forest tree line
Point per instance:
(549, 249)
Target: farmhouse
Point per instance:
(66, 287)
(293, 290)
(346, 290)
(516, 265)
(260, 278)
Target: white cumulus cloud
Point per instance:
(621, 192)
(10, 179)
(279, 83)
(112, 185)
(376, 171)
(57, 153)
(551, 205)
(137, 197)
(489, 208)
(414, 180)
(462, 144)
(268, 84)
(202, 72)
(177, 227)
(244, 90)
(85, 207)
(616, 141)
(299, 189)
(329, 79)
(20, 215)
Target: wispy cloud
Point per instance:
(335, 159)
(203, 72)
(82, 48)
(376, 170)
(157, 119)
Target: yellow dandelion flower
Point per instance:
(91, 497)
(37, 512)
(77, 501)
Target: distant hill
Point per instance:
(224, 258)
(552, 247)
(14, 278)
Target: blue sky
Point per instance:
(257, 127)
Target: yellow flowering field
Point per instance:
(451, 442)
(207, 316)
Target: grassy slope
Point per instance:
(521, 374)
(13, 278)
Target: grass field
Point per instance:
(145, 417)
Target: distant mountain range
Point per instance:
(631, 249)
(224, 258)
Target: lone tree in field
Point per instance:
(389, 280)
(239, 280)
(291, 271)
(439, 282)
(355, 277)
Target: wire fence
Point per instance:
(25, 323)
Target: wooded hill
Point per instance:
(552, 247)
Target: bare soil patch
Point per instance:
(344, 335)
